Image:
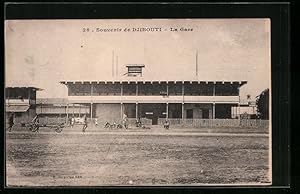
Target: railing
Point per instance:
(101, 122)
(144, 121)
(253, 123)
(249, 123)
(153, 99)
(131, 121)
(62, 110)
(17, 101)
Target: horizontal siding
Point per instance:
(62, 110)
(255, 123)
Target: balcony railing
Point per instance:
(17, 101)
(153, 99)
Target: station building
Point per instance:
(155, 99)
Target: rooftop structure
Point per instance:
(134, 69)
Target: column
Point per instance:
(7, 95)
(67, 111)
(121, 89)
(239, 111)
(58, 119)
(137, 89)
(167, 89)
(214, 111)
(167, 111)
(182, 111)
(91, 111)
(79, 109)
(136, 110)
(122, 110)
(29, 95)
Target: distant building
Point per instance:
(246, 108)
(21, 100)
(60, 107)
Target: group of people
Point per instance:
(11, 122)
(85, 125)
(139, 123)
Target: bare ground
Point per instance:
(96, 159)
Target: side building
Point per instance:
(58, 110)
(155, 99)
(21, 102)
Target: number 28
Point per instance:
(85, 29)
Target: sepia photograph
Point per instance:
(138, 102)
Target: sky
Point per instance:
(44, 52)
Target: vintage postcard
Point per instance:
(138, 102)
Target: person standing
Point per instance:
(72, 122)
(166, 124)
(96, 122)
(10, 122)
(138, 122)
(125, 121)
(84, 123)
(35, 123)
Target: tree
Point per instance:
(262, 103)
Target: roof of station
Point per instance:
(135, 65)
(21, 84)
(30, 87)
(139, 80)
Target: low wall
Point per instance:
(255, 123)
(101, 122)
(252, 123)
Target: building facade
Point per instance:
(21, 102)
(155, 99)
(246, 108)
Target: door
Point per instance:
(153, 117)
(189, 113)
(205, 113)
(154, 120)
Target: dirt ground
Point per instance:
(72, 158)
